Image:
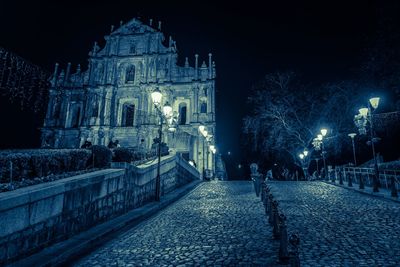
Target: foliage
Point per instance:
(28, 164)
(102, 156)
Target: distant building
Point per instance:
(111, 100)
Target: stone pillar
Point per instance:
(210, 66)
(196, 67)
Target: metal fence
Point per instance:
(367, 174)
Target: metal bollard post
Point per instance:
(270, 209)
(294, 241)
(275, 220)
(262, 191)
(393, 187)
(340, 178)
(283, 246)
(361, 180)
(350, 182)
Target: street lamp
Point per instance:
(204, 133)
(302, 157)
(213, 151)
(320, 138)
(352, 135)
(163, 112)
(361, 120)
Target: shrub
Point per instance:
(102, 156)
(32, 163)
(122, 154)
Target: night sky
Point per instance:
(323, 41)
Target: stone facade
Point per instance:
(111, 100)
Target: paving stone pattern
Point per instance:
(218, 224)
(340, 227)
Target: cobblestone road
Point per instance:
(218, 224)
(339, 227)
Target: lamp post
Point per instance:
(352, 135)
(163, 112)
(361, 120)
(320, 138)
(302, 156)
(204, 133)
(213, 151)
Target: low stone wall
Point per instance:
(35, 217)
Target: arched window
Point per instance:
(76, 112)
(130, 74)
(132, 49)
(56, 110)
(95, 106)
(182, 113)
(203, 107)
(128, 115)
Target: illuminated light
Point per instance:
(191, 163)
(324, 131)
(204, 133)
(352, 135)
(167, 110)
(156, 97)
(319, 137)
(212, 147)
(374, 101)
(301, 156)
(363, 112)
(305, 153)
(202, 128)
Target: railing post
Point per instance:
(361, 181)
(275, 220)
(294, 241)
(283, 246)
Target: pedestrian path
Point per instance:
(218, 224)
(383, 192)
(339, 227)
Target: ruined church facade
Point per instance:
(111, 100)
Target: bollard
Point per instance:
(283, 246)
(361, 181)
(340, 178)
(270, 209)
(262, 191)
(294, 241)
(275, 220)
(393, 187)
(350, 182)
(333, 179)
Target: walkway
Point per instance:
(218, 224)
(340, 227)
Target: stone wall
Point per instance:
(35, 217)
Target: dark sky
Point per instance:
(323, 41)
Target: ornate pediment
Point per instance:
(134, 26)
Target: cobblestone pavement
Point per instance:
(218, 224)
(340, 227)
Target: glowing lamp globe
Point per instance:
(204, 133)
(374, 102)
(156, 97)
(167, 110)
(319, 137)
(301, 156)
(202, 128)
(305, 153)
(324, 131)
(363, 112)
